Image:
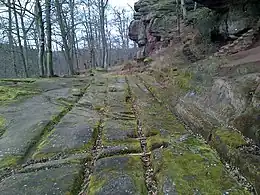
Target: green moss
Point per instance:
(9, 161)
(99, 69)
(156, 118)
(95, 184)
(66, 102)
(231, 138)
(100, 179)
(79, 179)
(132, 145)
(194, 170)
(11, 93)
(137, 174)
(183, 80)
(41, 155)
(2, 125)
(22, 80)
(156, 142)
(148, 60)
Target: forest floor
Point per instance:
(108, 134)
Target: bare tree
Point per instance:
(102, 9)
(195, 5)
(49, 61)
(10, 36)
(178, 18)
(19, 38)
(67, 25)
(62, 25)
(184, 11)
(41, 35)
(121, 21)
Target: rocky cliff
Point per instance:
(154, 26)
(155, 22)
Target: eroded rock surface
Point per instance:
(116, 137)
(221, 103)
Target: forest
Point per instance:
(47, 38)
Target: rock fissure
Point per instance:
(150, 180)
(96, 149)
(89, 166)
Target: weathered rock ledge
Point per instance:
(220, 100)
(219, 22)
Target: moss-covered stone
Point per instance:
(19, 80)
(126, 146)
(11, 93)
(57, 180)
(9, 161)
(187, 165)
(99, 69)
(118, 175)
(183, 80)
(157, 141)
(231, 138)
(2, 125)
(193, 167)
(154, 116)
(57, 142)
(95, 184)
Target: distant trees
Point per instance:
(10, 36)
(121, 23)
(89, 32)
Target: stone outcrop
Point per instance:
(155, 22)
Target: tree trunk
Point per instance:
(195, 6)
(19, 39)
(49, 40)
(10, 37)
(25, 45)
(184, 11)
(41, 41)
(72, 34)
(91, 37)
(64, 37)
(103, 32)
(178, 18)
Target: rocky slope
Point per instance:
(217, 97)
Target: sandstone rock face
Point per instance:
(155, 22)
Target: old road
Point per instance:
(106, 135)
